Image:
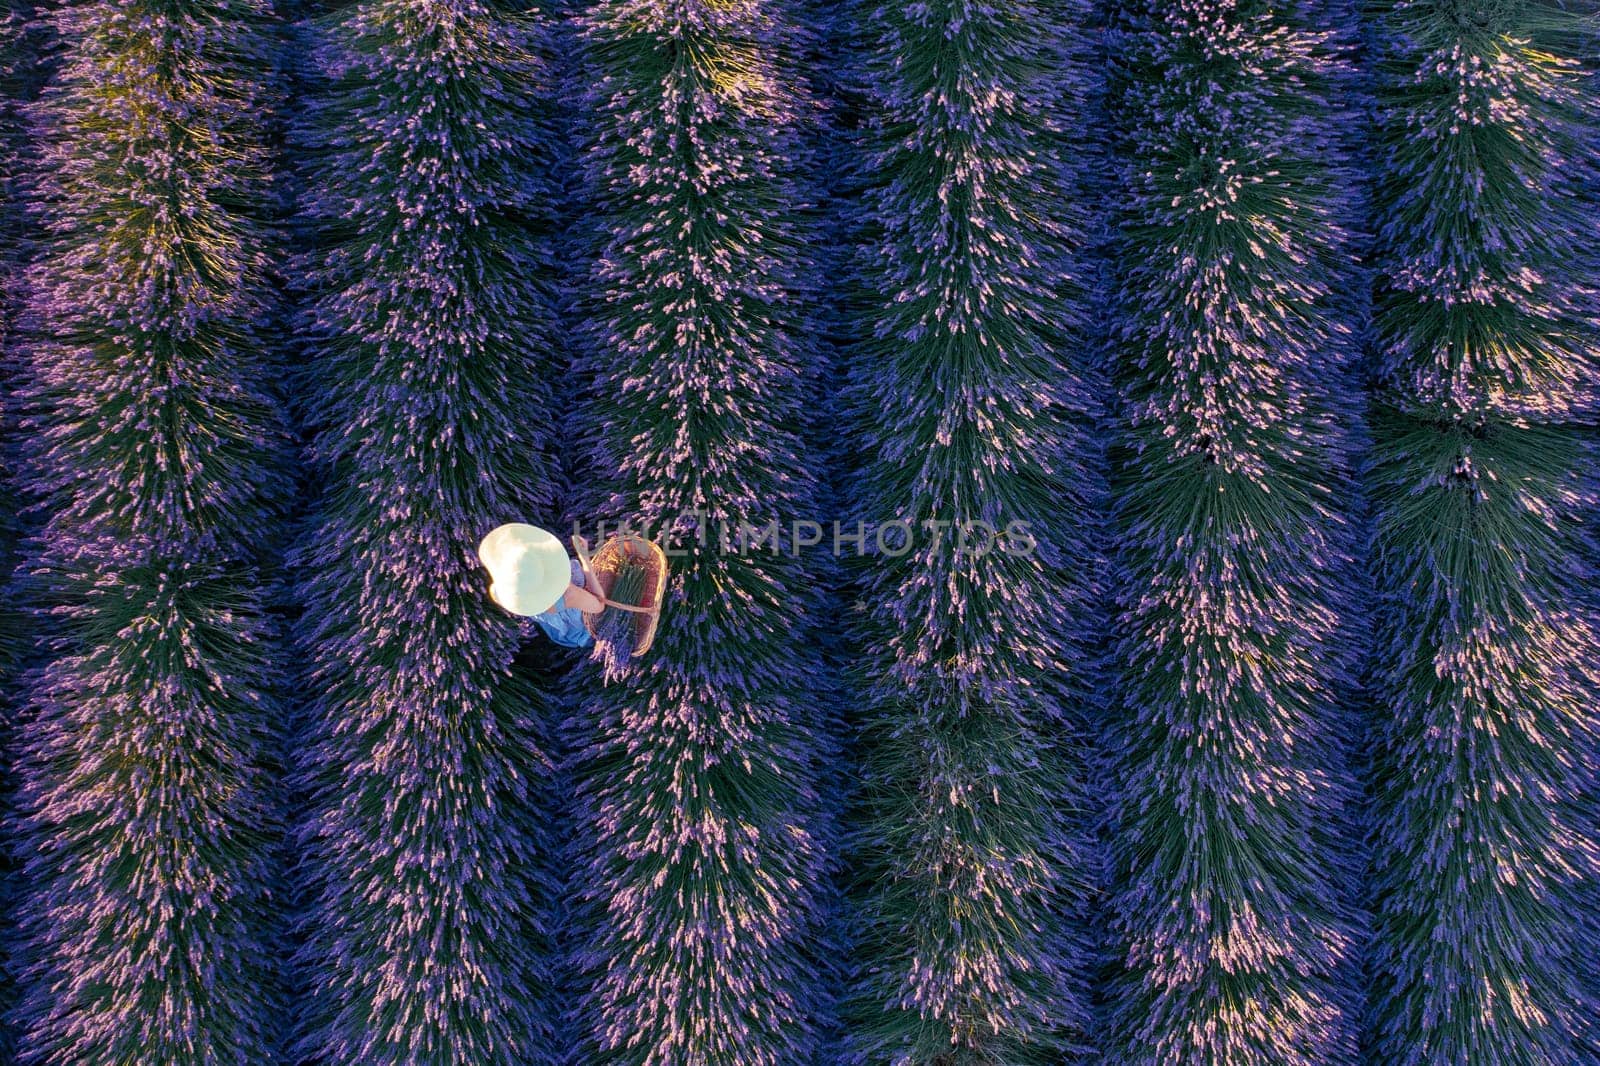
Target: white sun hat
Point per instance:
(528, 566)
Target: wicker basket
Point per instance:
(602, 568)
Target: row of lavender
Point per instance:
(1277, 746)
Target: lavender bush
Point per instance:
(426, 145)
(13, 636)
(698, 852)
(1233, 882)
(969, 374)
(1484, 479)
(153, 446)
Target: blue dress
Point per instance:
(564, 625)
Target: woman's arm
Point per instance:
(583, 600)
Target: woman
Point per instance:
(532, 576)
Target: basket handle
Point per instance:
(581, 546)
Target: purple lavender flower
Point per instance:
(699, 850)
(1232, 920)
(154, 447)
(971, 377)
(427, 144)
(1484, 476)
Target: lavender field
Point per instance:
(1129, 471)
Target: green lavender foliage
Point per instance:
(427, 143)
(970, 374)
(1233, 932)
(615, 632)
(616, 628)
(15, 58)
(14, 635)
(153, 445)
(698, 851)
(1484, 477)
